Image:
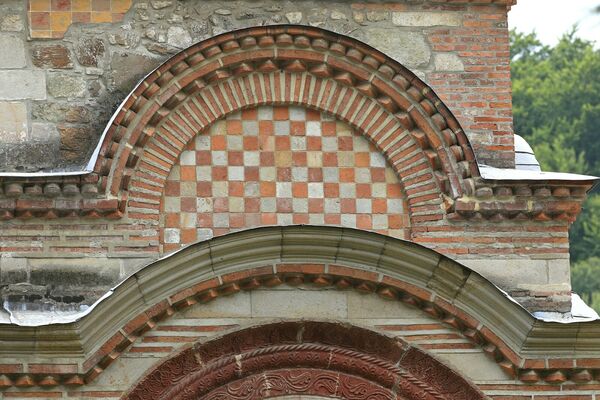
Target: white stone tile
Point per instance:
(219, 158)
(281, 128)
(251, 158)
(283, 189)
(235, 173)
(204, 234)
(187, 157)
(204, 204)
(265, 113)
(313, 128)
(172, 235)
(299, 174)
(315, 190)
(297, 113)
(363, 206)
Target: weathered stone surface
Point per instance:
(376, 16)
(408, 48)
(11, 23)
(67, 86)
(43, 132)
(294, 17)
(29, 156)
(53, 56)
(22, 84)
(13, 122)
(299, 304)
(178, 37)
(12, 45)
(448, 62)
(75, 142)
(160, 4)
(426, 19)
(127, 69)
(61, 112)
(89, 51)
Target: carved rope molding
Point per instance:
(339, 257)
(307, 357)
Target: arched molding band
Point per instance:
(307, 357)
(403, 153)
(323, 256)
(288, 49)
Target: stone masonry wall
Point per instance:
(57, 94)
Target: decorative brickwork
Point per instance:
(279, 166)
(303, 358)
(52, 18)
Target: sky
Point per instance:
(551, 18)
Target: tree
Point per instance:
(556, 97)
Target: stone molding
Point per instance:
(343, 258)
(307, 357)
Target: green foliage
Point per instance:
(556, 105)
(586, 279)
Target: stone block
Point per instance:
(75, 141)
(559, 272)
(89, 51)
(448, 62)
(372, 306)
(13, 122)
(426, 19)
(53, 56)
(74, 273)
(299, 304)
(29, 156)
(13, 270)
(22, 84)
(236, 306)
(178, 37)
(511, 273)
(475, 366)
(11, 23)
(128, 68)
(61, 112)
(66, 86)
(43, 132)
(13, 51)
(408, 48)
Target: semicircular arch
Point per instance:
(284, 65)
(303, 358)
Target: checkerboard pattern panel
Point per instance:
(52, 18)
(279, 166)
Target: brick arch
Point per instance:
(285, 65)
(303, 358)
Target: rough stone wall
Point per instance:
(56, 95)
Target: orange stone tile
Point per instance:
(60, 5)
(39, 21)
(41, 34)
(81, 5)
(100, 17)
(100, 5)
(82, 17)
(60, 21)
(120, 6)
(39, 5)
(118, 17)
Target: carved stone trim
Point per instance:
(319, 358)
